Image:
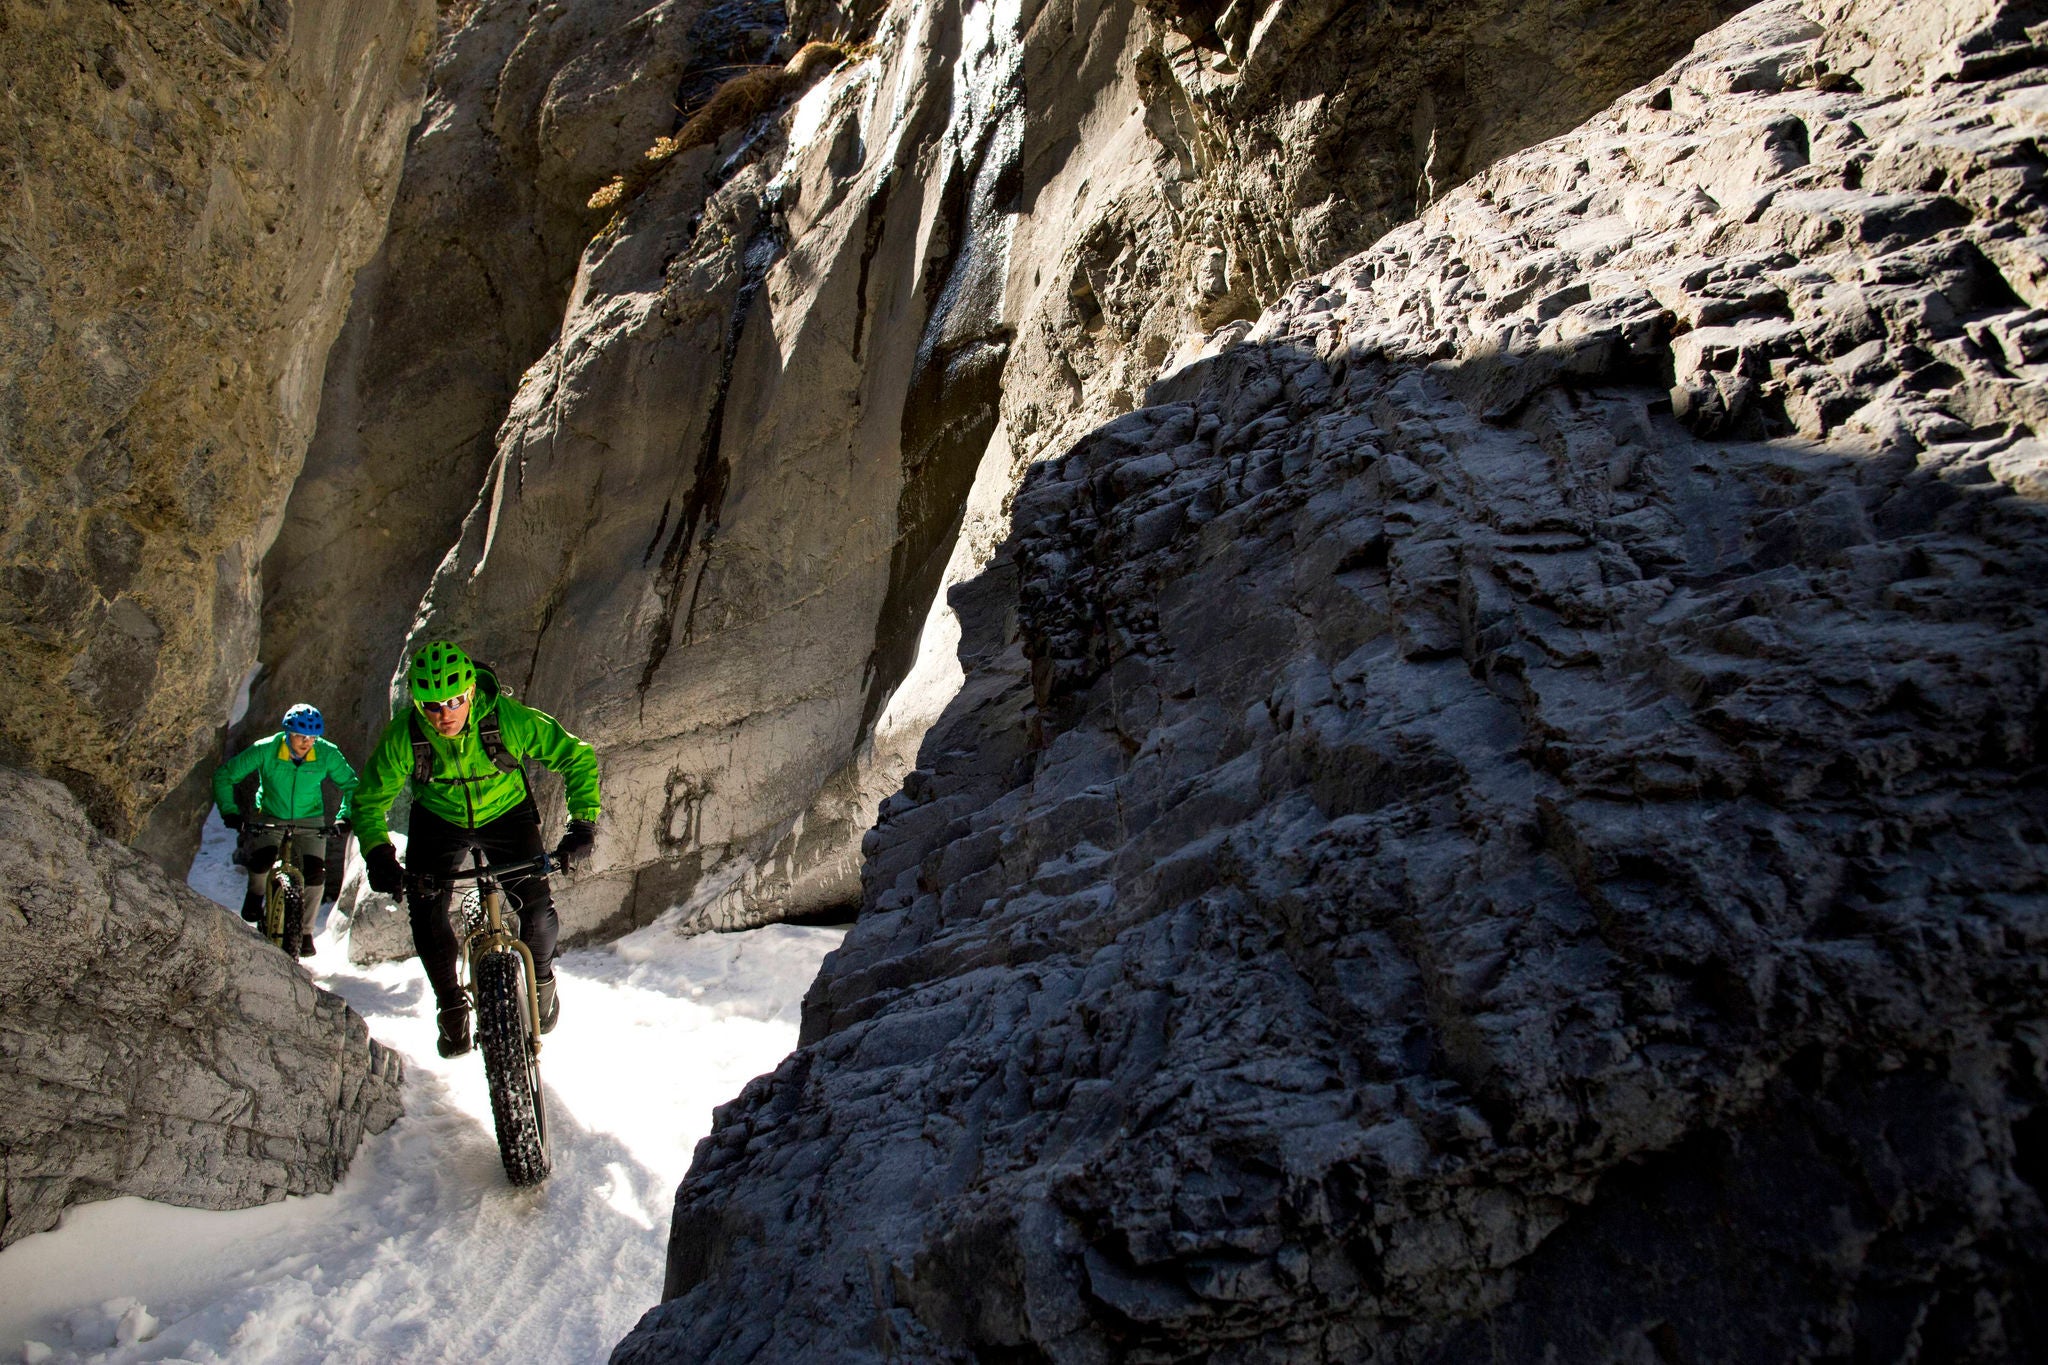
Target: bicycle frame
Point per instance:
(485, 931)
(285, 870)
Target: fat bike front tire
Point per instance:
(517, 1107)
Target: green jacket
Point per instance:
(465, 788)
(285, 789)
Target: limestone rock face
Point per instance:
(151, 1044)
(800, 370)
(1501, 817)
(528, 111)
(188, 188)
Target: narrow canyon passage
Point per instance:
(1406, 643)
(424, 1252)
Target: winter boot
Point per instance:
(454, 1039)
(305, 945)
(550, 1006)
(252, 907)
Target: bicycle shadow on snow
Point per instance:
(367, 997)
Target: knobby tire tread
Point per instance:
(516, 1104)
(283, 908)
(294, 920)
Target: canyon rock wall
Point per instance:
(188, 188)
(152, 1045)
(802, 367)
(528, 111)
(1502, 816)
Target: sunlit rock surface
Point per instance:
(528, 111)
(150, 1044)
(188, 189)
(802, 367)
(1501, 818)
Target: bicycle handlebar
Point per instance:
(544, 862)
(329, 829)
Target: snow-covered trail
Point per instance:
(424, 1253)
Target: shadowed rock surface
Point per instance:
(150, 1044)
(725, 501)
(1502, 816)
(188, 189)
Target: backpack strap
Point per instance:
(494, 746)
(488, 732)
(422, 751)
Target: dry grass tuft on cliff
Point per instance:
(733, 105)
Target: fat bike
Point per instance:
(504, 998)
(284, 889)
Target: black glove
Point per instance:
(387, 878)
(231, 818)
(575, 844)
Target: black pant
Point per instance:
(435, 849)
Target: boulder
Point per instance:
(1501, 816)
(378, 930)
(191, 187)
(153, 1045)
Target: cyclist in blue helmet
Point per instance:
(290, 767)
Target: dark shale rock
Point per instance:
(1502, 816)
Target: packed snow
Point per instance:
(424, 1253)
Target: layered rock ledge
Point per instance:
(151, 1045)
(1502, 814)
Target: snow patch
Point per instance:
(240, 707)
(424, 1253)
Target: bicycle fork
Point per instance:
(283, 873)
(492, 937)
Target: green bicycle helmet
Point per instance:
(440, 671)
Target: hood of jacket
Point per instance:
(487, 694)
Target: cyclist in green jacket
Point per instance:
(290, 766)
(460, 745)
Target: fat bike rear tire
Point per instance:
(294, 918)
(283, 913)
(517, 1107)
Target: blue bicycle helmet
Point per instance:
(304, 720)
